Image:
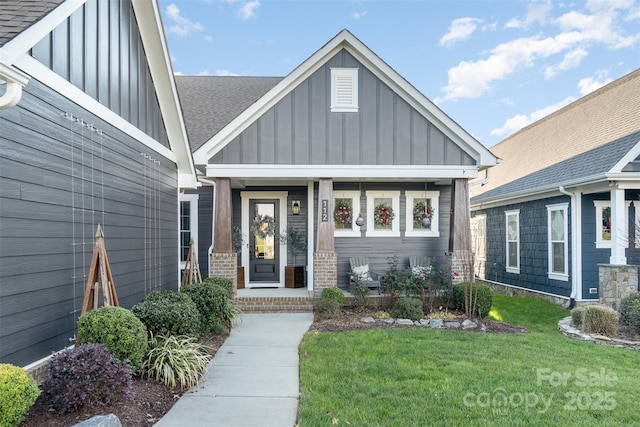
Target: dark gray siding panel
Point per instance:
(534, 262)
(385, 131)
(58, 181)
(99, 50)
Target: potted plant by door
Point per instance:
(296, 243)
(238, 241)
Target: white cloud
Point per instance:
(181, 26)
(208, 38)
(537, 12)
(589, 84)
(248, 10)
(459, 30)
(519, 121)
(571, 60)
(358, 15)
(225, 73)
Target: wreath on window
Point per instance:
(343, 212)
(420, 209)
(264, 226)
(383, 214)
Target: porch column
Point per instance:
(223, 258)
(325, 260)
(619, 235)
(460, 232)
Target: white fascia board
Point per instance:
(339, 171)
(629, 157)
(155, 46)
(53, 81)
(24, 41)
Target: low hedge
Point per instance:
(482, 294)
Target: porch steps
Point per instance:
(274, 304)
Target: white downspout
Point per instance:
(576, 252)
(15, 80)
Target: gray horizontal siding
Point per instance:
(99, 50)
(58, 180)
(301, 129)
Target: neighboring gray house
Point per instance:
(559, 214)
(342, 134)
(90, 133)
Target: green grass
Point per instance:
(423, 377)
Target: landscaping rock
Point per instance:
(436, 323)
(452, 325)
(404, 322)
(367, 319)
(424, 322)
(468, 324)
(100, 421)
(386, 321)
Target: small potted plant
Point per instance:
(238, 242)
(296, 243)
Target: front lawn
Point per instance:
(424, 377)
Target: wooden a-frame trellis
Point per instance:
(99, 277)
(191, 272)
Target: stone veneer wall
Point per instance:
(325, 272)
(225, 265)
(461, 266)
(616, 282)
(512, 291)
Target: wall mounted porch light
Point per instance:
(295, 207)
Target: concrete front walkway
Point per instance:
(252, 380)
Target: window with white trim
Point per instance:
(188, 225)
(346, 208)
(479, 236)
(558, 247)
(344, 90)
(422, 213)
(383, 213)
(513, 241)
(604, 222)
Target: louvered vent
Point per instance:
(344, 89)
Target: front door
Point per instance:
(264, 260)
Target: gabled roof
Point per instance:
(41, 18)
(592, 121)
(592, 166)
(231, 95)
(346, 40)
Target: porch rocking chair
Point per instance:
(360, 267)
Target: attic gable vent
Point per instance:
(344, 90)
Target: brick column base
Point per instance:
(616, 282)
(461, 266)
(325, 272)
(225, 265)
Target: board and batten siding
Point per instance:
(58, 181)
(301, 129)
(99, 50)
(534, 262)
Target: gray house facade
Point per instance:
(558, 217)
(90, 133)
(342, 136)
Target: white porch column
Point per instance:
(619, 234)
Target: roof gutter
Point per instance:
(15, 80)
(576, 253)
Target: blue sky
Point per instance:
(492, 66)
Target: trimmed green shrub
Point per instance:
(169, 313)
(482, 294)
(577, 314)
(335, 294)
(124, 335)
(630, 311)
(226, 284)
(381, 315)
(86, 376)
(214, 304)
(176, 360)
(18, 391)
(407, 308)
(327, 309)
(600, 320)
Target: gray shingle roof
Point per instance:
(593, 163)
(18, 15)
(210, 102)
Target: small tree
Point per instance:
(295, 240)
